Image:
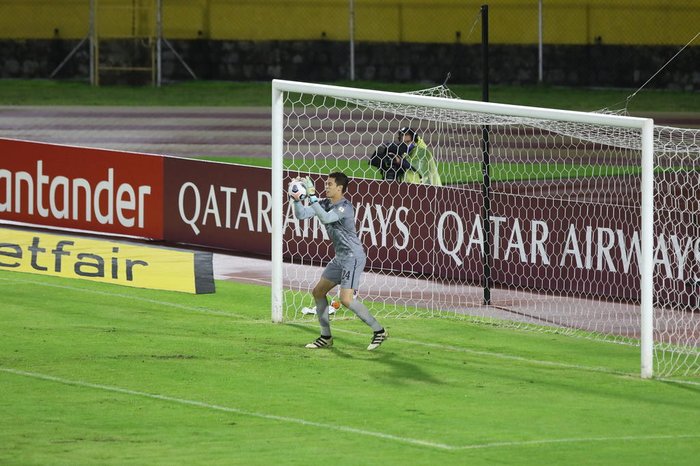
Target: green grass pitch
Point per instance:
(101, 374)
(226, 93)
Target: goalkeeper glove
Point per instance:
(310, 189)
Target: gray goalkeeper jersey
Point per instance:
(340, 225)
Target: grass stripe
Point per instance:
(341, 428)
(227, 409)
(510, 357)
(244, 319)
(201, 310)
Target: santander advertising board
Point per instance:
(79, 188)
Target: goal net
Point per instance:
(580, 223)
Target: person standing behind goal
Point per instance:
(338, 216)
(423, 167)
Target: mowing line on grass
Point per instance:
(341, 428)
(510, 357)
(404, 340)
(227, 409)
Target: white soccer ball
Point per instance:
(297, 190)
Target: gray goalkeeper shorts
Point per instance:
(345, 271)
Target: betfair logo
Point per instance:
(54, 259)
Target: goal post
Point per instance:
(277, 195)
(318, 128)
(647, 260)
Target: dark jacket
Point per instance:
(384, 159)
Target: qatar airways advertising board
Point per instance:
(79, 188)
(218, 205)
(536, 243)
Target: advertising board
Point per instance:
(106, 261)
(81, 188)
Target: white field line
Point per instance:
(626, 438)
(684, 382)
(338, 427)
(244, 319)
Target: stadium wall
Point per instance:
(324, 61)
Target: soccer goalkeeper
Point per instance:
(338, 216)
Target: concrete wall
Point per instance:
(571, 65)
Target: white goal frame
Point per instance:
(645, 125)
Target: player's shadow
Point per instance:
(402, 370)
(399, 369)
